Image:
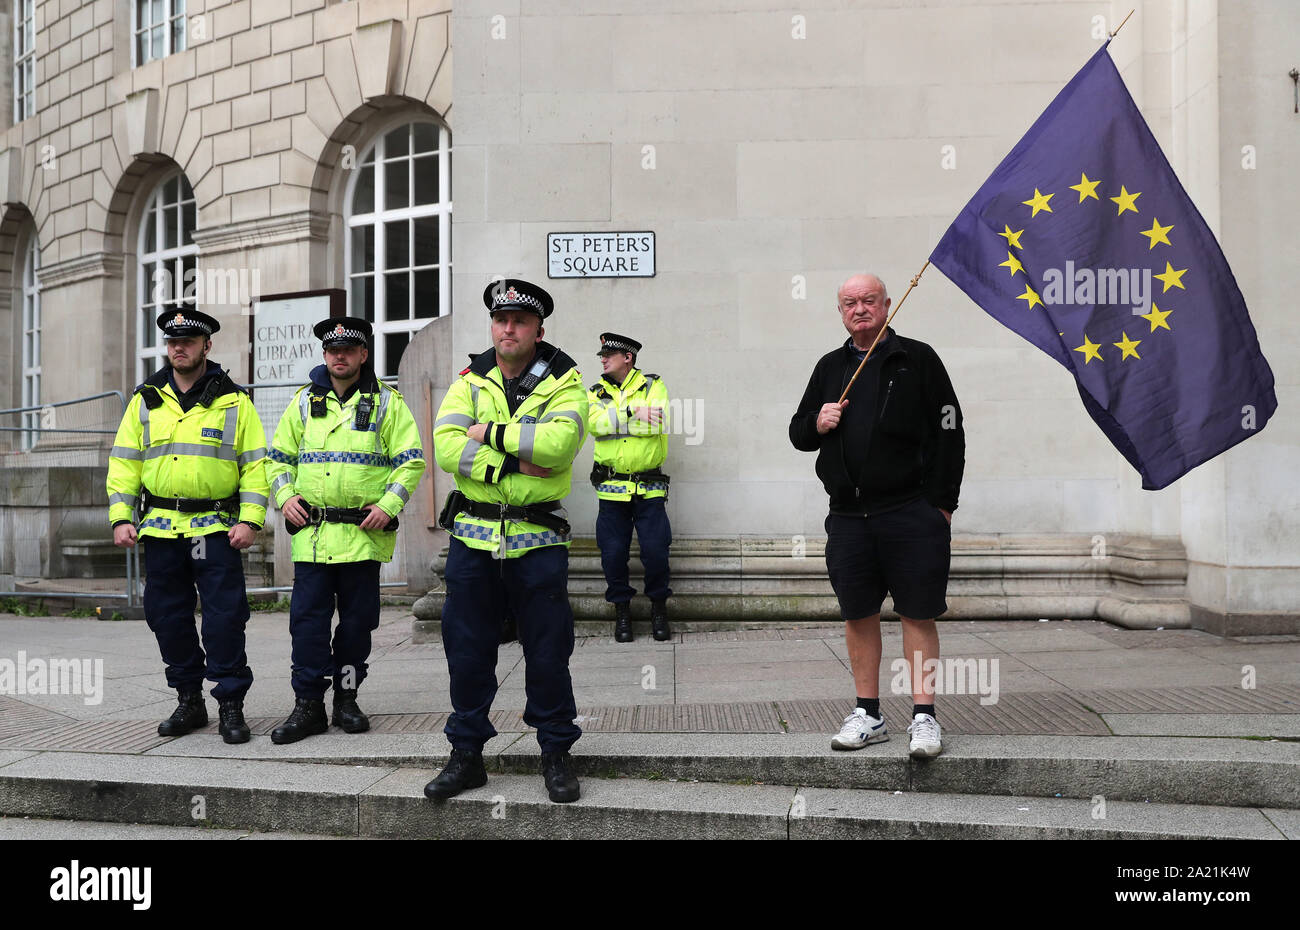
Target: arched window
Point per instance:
(166, 265)
(398, 250)
(31, 340)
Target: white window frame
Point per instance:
(31, 313)
(375, 153)
(172, 259)
(173, 13)
(24, 15)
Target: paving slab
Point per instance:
(1287, 821)
(1044, 638)
(821, 813)
(516, 806)
(1138, 658)
(689, 672)
(1283, 725)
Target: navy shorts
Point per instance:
(904, 552)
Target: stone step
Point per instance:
(1174, 770)
(384, 801)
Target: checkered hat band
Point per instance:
(185, 327)
(615, 345)
(514, 297)
(334, 335)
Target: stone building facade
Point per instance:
(201, 153)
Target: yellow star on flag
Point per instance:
(1171, 278)
(1030, 295)
(1013, 238)
(1086, 189)
(1090, 350)
(1013, 263)
(1157, 233)
(1157, 317)
(1125, 200)
(1128, 346)
(1038, 202)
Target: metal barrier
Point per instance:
(42, 418)
(48, 421)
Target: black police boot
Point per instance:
(307, 719)
(463, 770)
(561, 783)
(190, 714)
(623, 623)
(659, 621)
(232, 726)
(346, 712)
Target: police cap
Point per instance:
(343, 331)
(179, 324)
(611, 343)
(517, 294)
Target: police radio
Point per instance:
(533, 377)
(318, 405)
(364, 406)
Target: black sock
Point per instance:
(870, 705)
(923, 709)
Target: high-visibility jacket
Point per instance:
(623, 442)
(333, 463)
(211, 451)
(547, 429)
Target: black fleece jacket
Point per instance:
(915, 446)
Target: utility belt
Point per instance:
(542, 514)
(226, 508)
(601, 473)
(353, 515)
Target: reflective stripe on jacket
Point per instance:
(209, 452)
(332, 463)
(625, 443)
(547, 429)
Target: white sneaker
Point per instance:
(859, 730)
(925, 737)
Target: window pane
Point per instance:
(426, 179)
(426, 137)
(363, 297)
(149, 328)
(178, 7)
(156, 40)
(147, 298)
(187, 192)
(363, 198)
(187, 223)
(426, 240)
(397, 192)
(171, 190)
(397, 248)
(142, 48)
(397, 142)
(171, 218)
(156, 11)
(151, 231)
(186, 287)
(178, 34)
(397, 300)
(426, 293)
(394, 347)
(363, 248)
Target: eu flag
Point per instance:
(1084, 242)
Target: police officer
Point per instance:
(190, 454)
(509, 429)
(627, 415)
(345, 459)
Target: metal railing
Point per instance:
(47, 423)
(132, 595)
